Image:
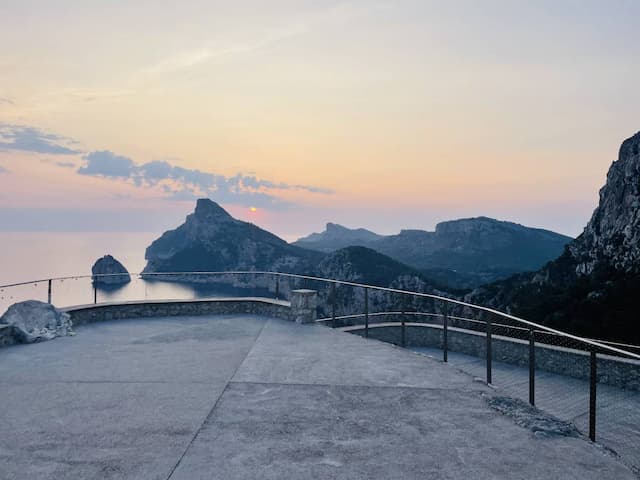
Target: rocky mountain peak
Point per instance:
(211, 239)
(335, 228)
(207, 209)
(611, 239)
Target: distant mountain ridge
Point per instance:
(465, 252)
(336, 237)
(212, 240)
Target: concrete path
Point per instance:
(242, 397)
(617, 411)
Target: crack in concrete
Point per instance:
(206, 418)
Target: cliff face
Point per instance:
(591, 287)
(211, 239)
(611, 239)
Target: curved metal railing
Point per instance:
(451, 315)
(180, 277)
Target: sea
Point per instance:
(35, 257)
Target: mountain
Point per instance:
(461, 253)
(362, 265)
(336, 237)
(590, 289)
(212, 240)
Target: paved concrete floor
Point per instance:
(617, 412)
(240, 397)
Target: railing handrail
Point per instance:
(464, 319)
(531, 325)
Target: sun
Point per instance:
(253, 209)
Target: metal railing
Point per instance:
(341, 300)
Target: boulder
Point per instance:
(108, 265)
(35, 321)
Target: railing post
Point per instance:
(277, 286)
(593, 380)
(95, 294)
(366, 313)
(333, 304)
(403, 338)
(445, 333)
(532, 367)
(489, 355)
(49, 291)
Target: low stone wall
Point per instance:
(7, 335)
(614, 371)
(84, 314)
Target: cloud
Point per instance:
(107, 164)
(7, 101)
(179, 183)
(30, 139)
(3, 170)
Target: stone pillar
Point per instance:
(303, 306)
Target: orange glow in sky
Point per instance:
(377, 114)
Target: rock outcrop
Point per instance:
(591, 288)
(109, 271)
(611, 240)
(35, 321)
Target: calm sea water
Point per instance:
(32, 255)
(26, 256)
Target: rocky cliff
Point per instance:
(590, 289)
(212, 240)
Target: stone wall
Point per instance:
(304, 305)
(615, 371)
(143, 309)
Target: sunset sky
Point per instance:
(116, 115)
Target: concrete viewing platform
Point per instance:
(244, 396)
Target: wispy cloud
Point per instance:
(209, 53)
(7, 101)
(3, 170)
(30, 139)
(180, 183)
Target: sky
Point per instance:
(117, 115)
